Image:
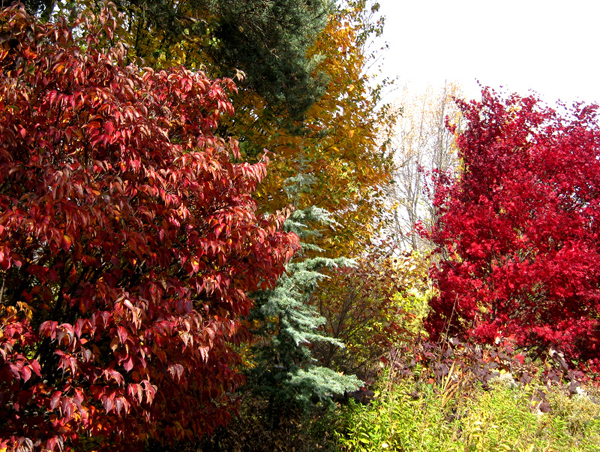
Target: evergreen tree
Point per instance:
(268, 40)
(285, 370)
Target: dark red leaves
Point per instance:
(519, 228)
(128, 242)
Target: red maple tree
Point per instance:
(517, 229)
(128, 242)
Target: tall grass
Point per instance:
(409, 415)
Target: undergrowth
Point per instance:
(455, 397)
(467, 399)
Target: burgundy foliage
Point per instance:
(128, 241)
(518, 230)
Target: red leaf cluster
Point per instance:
(518, 229)
(128, 241)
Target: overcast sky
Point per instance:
(548, 46)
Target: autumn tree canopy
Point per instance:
(518, 228)
(128, 242)
(338, 157)
(308, 96)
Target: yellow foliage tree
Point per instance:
(338, 157)
(376, 305)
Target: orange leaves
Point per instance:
(66, 242)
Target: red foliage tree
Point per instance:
(518, 229)
(128, 241)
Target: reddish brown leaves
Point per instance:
(362, 307)
(128, 242)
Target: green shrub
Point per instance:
(412, 416)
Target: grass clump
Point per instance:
(457, 413)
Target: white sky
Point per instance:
(551, 47)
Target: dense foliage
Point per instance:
(367, 308)
(148, 293)
(337, 158)
(452, 410)
(128, 242)
(286, 329)
(517, 230)
(267, 40)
